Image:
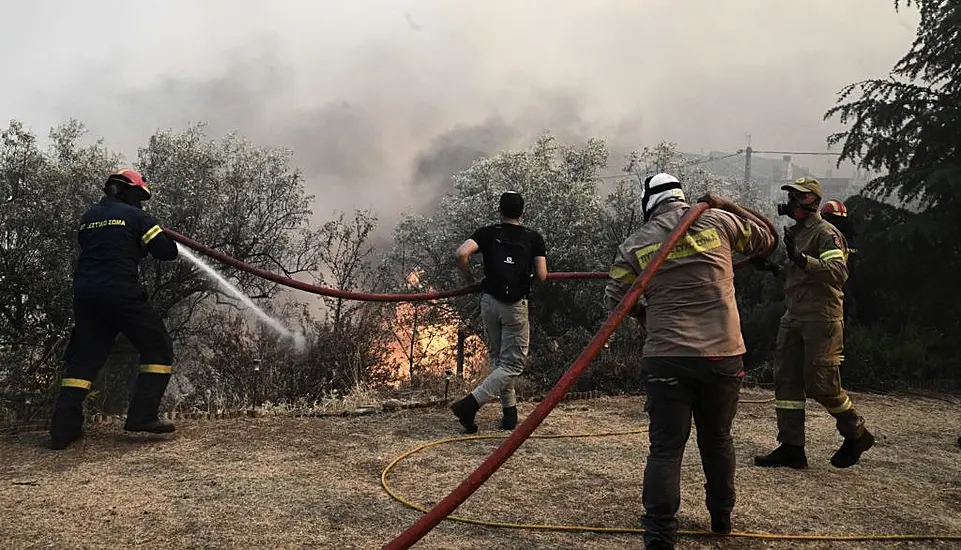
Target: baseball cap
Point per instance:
(804, 185)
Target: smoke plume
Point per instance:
(382, 101)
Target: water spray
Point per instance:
(298, 338)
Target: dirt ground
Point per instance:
(282, 482)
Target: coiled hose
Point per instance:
(629, 530)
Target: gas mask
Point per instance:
(131, 196)
(794, 209)
(124, 193)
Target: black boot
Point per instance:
(850, 452)
(509, 420)
(142, 415)
(67, 424)
(721, 523)
(791, 456)
(465, 410)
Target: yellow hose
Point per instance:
(596, 529)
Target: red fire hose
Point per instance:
(347, 294)
(430, 520)
(409, 297)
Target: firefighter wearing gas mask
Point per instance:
(810, 339)
(115, 235)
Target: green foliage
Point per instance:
(906, 127)
(246, 201)
(877, 357)
(44, 193)
(907, 124)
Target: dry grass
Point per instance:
(314, 482)
(357, 397)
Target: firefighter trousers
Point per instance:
(677, 389)
(97, 322)
(807, 364)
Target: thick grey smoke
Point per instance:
(382, 100)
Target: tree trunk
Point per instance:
(413, 340)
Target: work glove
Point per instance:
(793, 252)
(715, 201)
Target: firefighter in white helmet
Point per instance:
(692, 357)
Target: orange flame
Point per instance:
(434, 346)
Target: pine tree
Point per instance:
(908, 125)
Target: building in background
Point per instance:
(768, 174)
(834, 188)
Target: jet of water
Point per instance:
(298, 338)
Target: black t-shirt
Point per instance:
(505, 277)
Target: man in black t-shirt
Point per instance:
(513, 255)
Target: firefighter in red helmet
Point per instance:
(115, 235)
(836, 213)
(835, 208)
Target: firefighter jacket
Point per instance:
(691, 311)
(114, 238)
(816, 291)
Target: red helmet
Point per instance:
(132, 178)
(835, 208)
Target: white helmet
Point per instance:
(657, 190)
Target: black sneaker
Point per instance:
(790, 456)
(850, 452)
(465, 410)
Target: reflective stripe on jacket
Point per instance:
(691, 310)
(816, 293)
(114, 238)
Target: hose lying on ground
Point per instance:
(624, 530)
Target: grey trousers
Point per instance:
(507, 327)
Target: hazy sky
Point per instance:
(381, 99)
